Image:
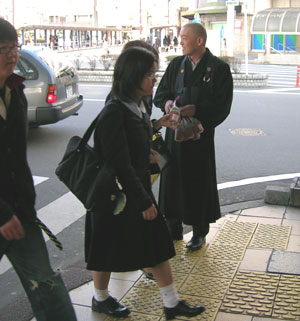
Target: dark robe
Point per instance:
(188, 188)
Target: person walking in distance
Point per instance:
(21, 239)
(203, 88)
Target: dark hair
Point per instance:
(130, 70)
(142, 44)
(7, 32)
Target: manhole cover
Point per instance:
(247, 132)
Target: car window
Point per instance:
(59, 65)
(25, 69)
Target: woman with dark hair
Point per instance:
(138, 237)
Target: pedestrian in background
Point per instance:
(204, 88)
(21, 239)
(137, 237)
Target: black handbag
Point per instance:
(93, 183)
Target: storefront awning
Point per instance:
(277, 21)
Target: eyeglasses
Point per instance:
(152, 75)
(7, 49)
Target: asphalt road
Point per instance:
(259, 138)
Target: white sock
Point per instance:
(101, 295)
(169, 296)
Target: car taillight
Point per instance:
(51, 95)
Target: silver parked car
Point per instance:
(51, 85)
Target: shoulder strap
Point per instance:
(89, 132)
(180, 77)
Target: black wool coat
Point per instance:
(17, 194)
(126, 242)
(188, 188)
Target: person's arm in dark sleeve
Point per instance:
(6, 212)
(213, 109)
(114, 147)
(165, 90)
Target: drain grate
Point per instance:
(247, 132)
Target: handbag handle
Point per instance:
(88, 132)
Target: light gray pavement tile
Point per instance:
(292, 213)
(127, 276)
(294, 224)
(269, 211)
(222, 316)
(294, 243)
(86, 314)
(255, 260)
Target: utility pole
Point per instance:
(13, 12)
(95, 13)
(141, 27)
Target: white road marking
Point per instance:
(39, 179)
(255, 180)
(88, 99)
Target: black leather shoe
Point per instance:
(183, 309)
(111, 307)
(148, 275)
(195, 243)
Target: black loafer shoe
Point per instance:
(195, 243)
(183, 309)
(111, 307)
(148, 275)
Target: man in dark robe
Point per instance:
(203, 87)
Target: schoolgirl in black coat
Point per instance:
(137, 237)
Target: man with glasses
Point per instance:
(21, 239)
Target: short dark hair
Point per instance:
(7, 31)
(198, 30)
(131, 67)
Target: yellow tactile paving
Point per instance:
(211, 277)
(271, 237)
(214, 267)
(238, 227)
(146, 283)
(287, 301)
(183, 263)
(226, 251)
(230, 238)
(143, 301)
(251, 293)
(210, 287)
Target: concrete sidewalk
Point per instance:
(247, 271)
